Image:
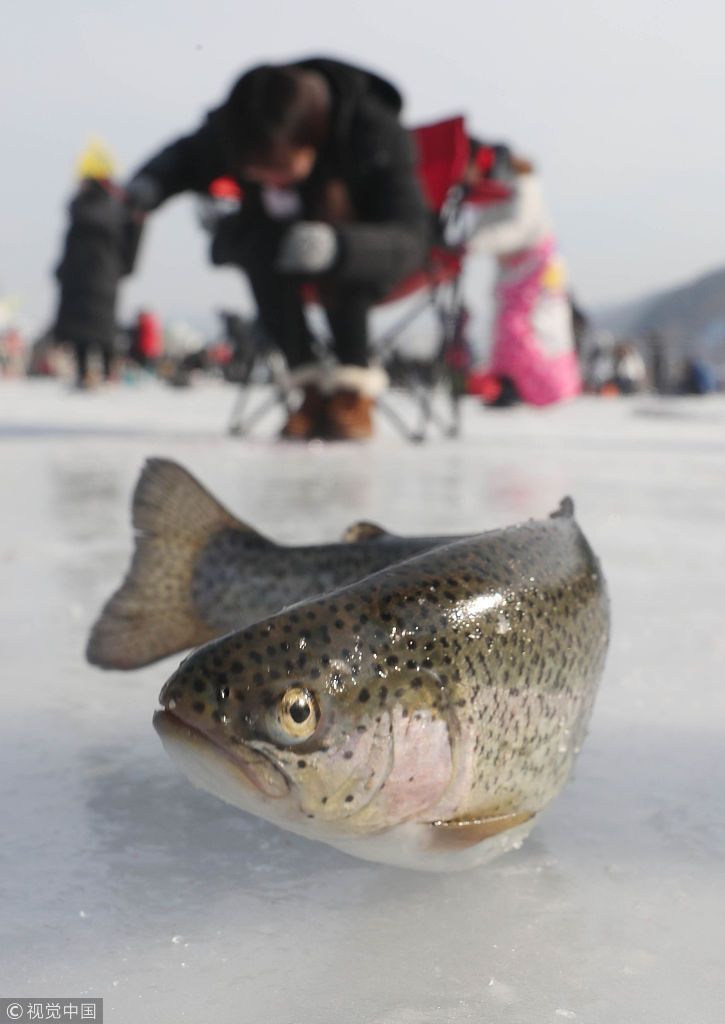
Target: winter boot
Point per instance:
(351, 392)
(306, 421)
(507, 395)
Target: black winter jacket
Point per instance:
(367, 149)
(100, 247)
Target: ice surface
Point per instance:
(120, 880)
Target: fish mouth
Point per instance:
(212, 766)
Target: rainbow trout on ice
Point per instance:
(197, 572)
(423, 716)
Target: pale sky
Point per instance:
(619, 104)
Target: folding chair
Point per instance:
(444, 154)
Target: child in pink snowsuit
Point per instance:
(533, 349)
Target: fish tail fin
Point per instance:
(152, 614)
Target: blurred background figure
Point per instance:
(630, 369)
(99, 249)
(12, 342)
(147, 340)
(329, 194)
(698, 378)
(533, 355)
(614, 366)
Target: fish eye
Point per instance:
(298, 713)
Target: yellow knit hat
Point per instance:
(96, 160)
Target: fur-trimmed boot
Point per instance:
(350, 395)
(307, 420)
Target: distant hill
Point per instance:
(686, 314)
(690, 319)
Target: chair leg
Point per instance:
(448, 305)
(410, 434)
(243, 419)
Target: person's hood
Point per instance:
(348, 80)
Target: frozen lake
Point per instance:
(120, 880)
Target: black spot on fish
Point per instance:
(349, 799)
(199, 707)
(364, 696)
(348, 755)
(301, 763)
(199, 685)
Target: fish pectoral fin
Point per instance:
(358, 533)
(461, 833)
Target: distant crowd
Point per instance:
(610, 365)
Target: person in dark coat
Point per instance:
(330, 194)
(99, 249)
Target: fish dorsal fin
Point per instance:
(152, 614)
(169, 498)
(363, 531)
(461, 833)
(565, 509)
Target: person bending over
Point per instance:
(329, 194)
